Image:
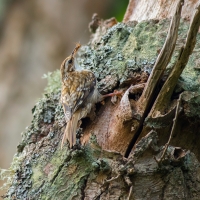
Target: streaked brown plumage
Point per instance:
(79, 93)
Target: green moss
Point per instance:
(77, 169)
(37, 176)
(53, 81)
(8, 174)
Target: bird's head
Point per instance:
(68, 65)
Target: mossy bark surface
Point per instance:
(96, 168)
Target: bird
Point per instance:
(79, 93)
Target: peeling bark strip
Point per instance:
(143, 104)
(161, 62)
(162, 102)
(163, 99)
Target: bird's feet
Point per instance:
(115, 93)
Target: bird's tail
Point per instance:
(70, 130)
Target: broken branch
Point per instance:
(165, 94)
(162, 61)
(142, 106)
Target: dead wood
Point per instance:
(142, 106)
(161, 62)
(163, 100)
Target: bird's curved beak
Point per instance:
(78, 45)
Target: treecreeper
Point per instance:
(78, 95)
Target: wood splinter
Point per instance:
(159, 160)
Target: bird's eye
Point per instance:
(70, 61)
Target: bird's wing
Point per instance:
(77, 88)
(85, 88)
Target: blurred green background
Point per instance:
(35, 37)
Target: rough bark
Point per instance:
(121, 153)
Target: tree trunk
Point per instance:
(143, 145)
